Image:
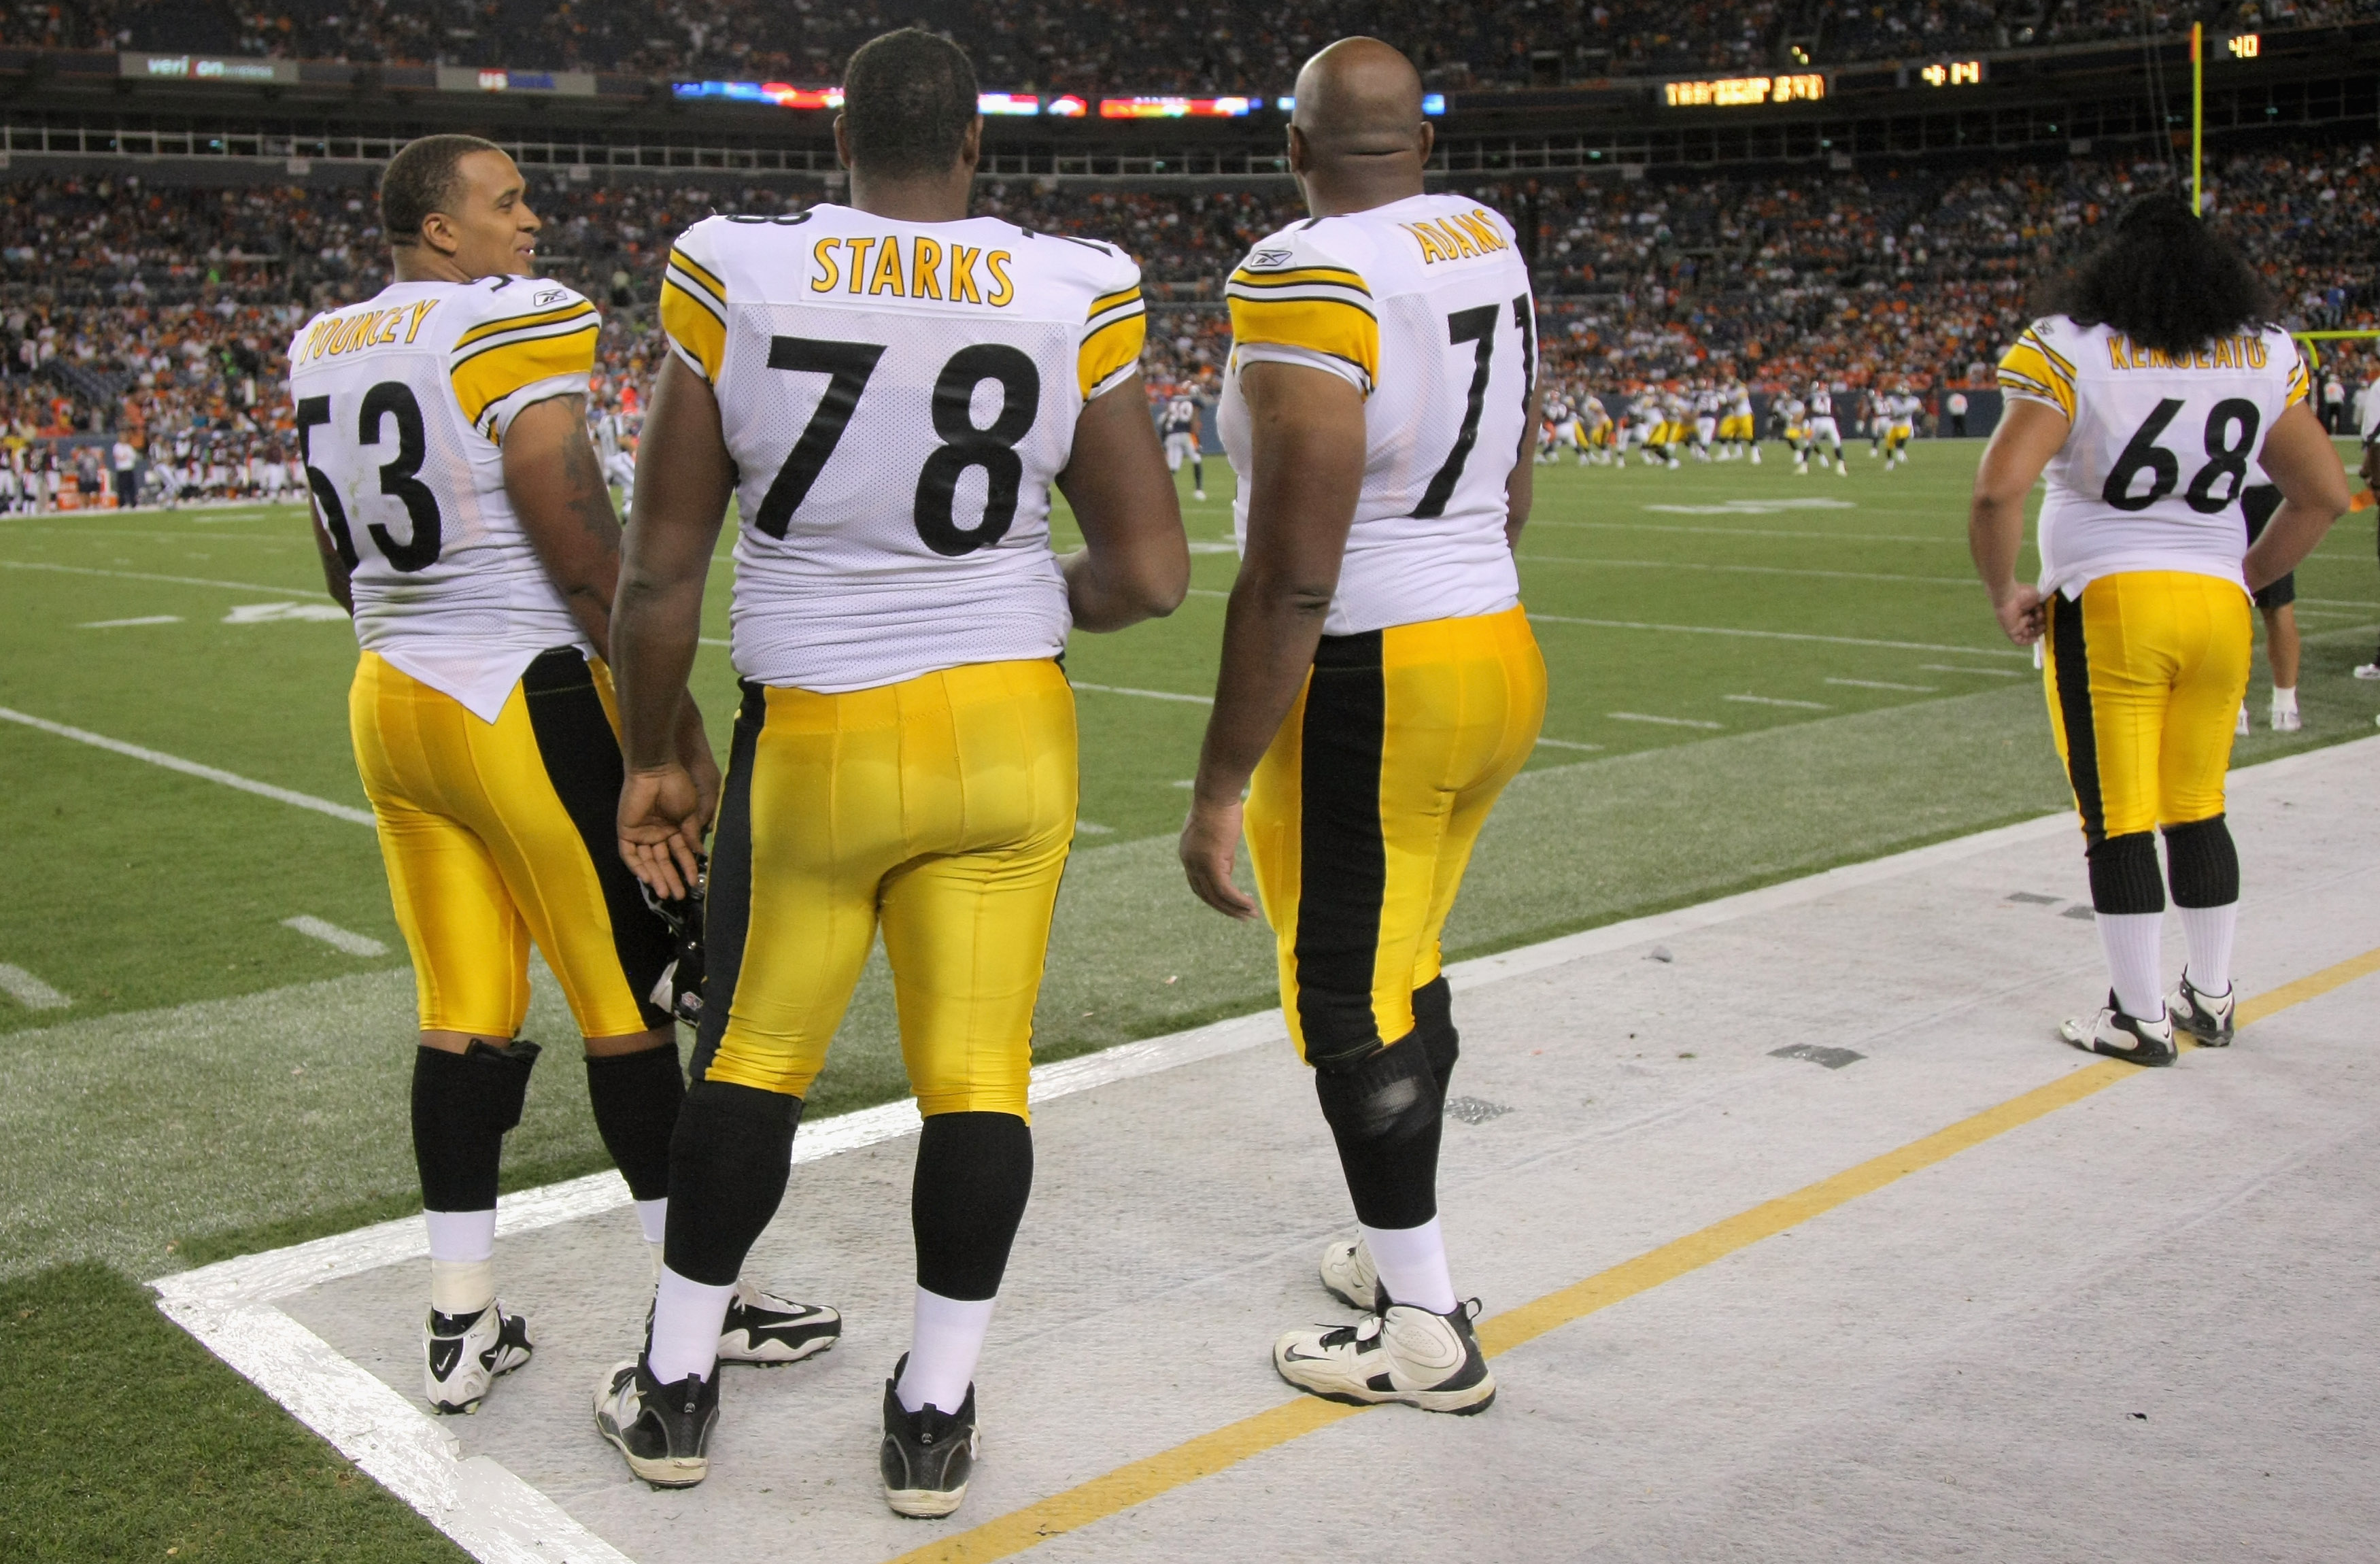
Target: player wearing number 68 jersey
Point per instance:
(2146, 399)
(1380, 683)
(889, 390)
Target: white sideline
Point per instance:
(496, 1517)
(330, 934)
(146, 576)
(192, 768)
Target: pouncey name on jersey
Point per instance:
(403, 403)
(1423, 306)
(898, 398)
(2149, 477)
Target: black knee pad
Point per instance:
(974, 1176)
(463, 1104)
(729, 1159)
(1388, 1098)
(2124, 875)
(2203, 864)
(636, 1098)
(1433, 1008)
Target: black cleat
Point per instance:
(664, 1430)
(928, 1454)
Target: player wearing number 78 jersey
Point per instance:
(2146, 400)
(1380, 683)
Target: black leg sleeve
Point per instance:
(636, 1098)
(975, 1173)
(463, 1103)
(728, 1164)
(1386, 1114)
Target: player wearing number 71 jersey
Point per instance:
(889, 391)
(2145, 399)
(1380, 685)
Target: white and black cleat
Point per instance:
(2119, 1035)
(1350, 1276)
(928, 1454)
(463, 1354)
(1405, 1353)
(2206, 1017)
(664, 1430)
(762, 1327)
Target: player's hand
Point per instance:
(694, 754)
(2022, 613)
(1211, 842)
(661, 829)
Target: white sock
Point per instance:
(1412, 1265)
(462, 1260)
(2208, 930)
(2285, 700)
(2131, 940)
(946, 1339)
(654, 1216)
(686, 1319)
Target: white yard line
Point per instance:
(1146, 695)
(333, 935)
(1776, 700)
(29, 991)
(1961, 581)
(229, 1306)
(147, 576)
(192, 768)
(1665, 722)
(1960, 539)
(1885, 684)
(1565, 744)
(1774, 636)
(1990, 672)
(127, 624)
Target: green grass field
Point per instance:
(1754, 675)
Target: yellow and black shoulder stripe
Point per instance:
(1116, 328)
(2034, 368)
(496, 358)
(694, 312)
(1321, 309)
(2301, 383)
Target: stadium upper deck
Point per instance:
(1225, 47)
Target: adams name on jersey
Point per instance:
(1423, 306)
(898, 398)
(2161, 445)
(403, 402)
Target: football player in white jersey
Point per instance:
(2146, 400)
(1180, 424)
(1823, 427)
(889, 391)
(615, 446)
(463, 522)
(1901, 411)
(1706, 404)
(1380, 683)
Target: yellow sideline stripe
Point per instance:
(1140, 1481)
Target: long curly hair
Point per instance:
(2164, 279)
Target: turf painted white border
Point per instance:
(496, 1517)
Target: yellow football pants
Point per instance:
(496, 834)
(940, 808)
(2144, 674)
(1362, 815)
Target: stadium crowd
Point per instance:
(159, 315)
(1119, 46)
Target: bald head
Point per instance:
(1357, 137)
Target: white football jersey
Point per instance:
(2150, 475)
(1423, 306)
(1822, 404)
(898, 398)
(403, 402)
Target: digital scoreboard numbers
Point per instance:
(1953, 73)
(2244, 46)
(1743, 91)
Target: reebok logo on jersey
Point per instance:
(551, 296)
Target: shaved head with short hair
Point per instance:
(1357, 137)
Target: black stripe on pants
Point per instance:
(2073, 669)
(727, 904)
(582, 760)
(1342, 865)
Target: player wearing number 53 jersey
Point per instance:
(2146, 400)
(889, 390)
(1380, 685)
(463, 520)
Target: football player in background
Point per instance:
(2146, 400)
(1181, 421)
(889, 391)
(1822, 426)
(463, 521)
(1380, 683)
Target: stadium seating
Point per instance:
(1117, 46)
(158, 309)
